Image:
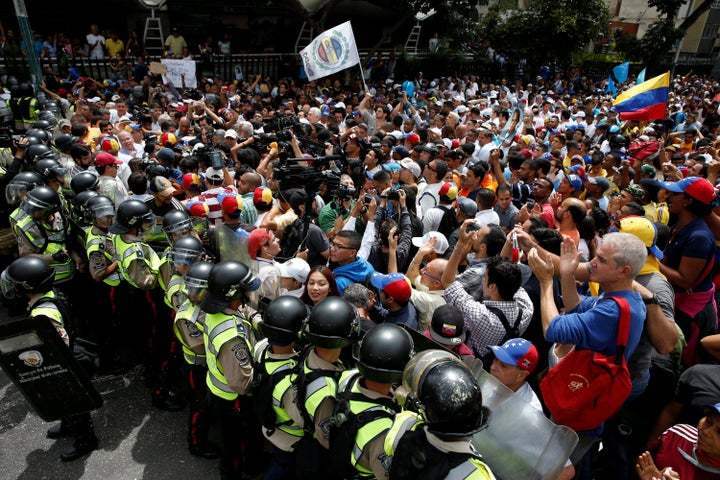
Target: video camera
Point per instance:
(291, 175)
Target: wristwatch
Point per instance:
(650, 301)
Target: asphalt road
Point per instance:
(137, 441)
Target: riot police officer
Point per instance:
(229, 340)
(184, 253)
(275, 358)
(32, 278)
(42, 232)
(139, 266)
(332, 325)
(189, 326)
(436, 443)
(366, 401)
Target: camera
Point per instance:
(393, 194)
(530, 204)
(367, 199)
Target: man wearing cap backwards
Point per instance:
(395, 306)
(110, 186)
(685, 452)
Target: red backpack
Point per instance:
(586, 387)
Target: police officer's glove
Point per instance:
(60, 257)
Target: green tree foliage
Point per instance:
(628, 46)
(548, 29)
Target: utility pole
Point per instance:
(32, 59)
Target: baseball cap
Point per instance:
(214, 174)
(165, 155)
(103, 159)
(191, 181)
(447, 326)
(645, 230)
(402, 151)
(395, 285)
(575, 182)
(231, 134)
(391, 167)
(197, 208)
(413, 138)
(518, 352)
(698, 188)
(162, 186)
(601, 182)
(262, 197)
(441, 243)
(295, 268)
(649, 170)
(231, 203)
(109, 144)
(409, 164)
(448, 191)
(467, 206)
(257, 239)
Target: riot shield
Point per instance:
(42, 367)
(520, 443)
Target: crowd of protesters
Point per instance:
(406, 197)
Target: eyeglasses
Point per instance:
(340, 247)
(430, 168)
(429, 275)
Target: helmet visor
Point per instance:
(7, 284)
(14, 192)
(183, 227)
(103, 211)
(185, 256)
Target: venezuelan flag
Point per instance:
(647, 101)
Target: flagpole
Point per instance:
(360, 65)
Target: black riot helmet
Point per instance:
(39, 133)
(446, 394)
(44, 125)
(26, 89)
(64, 141)
(42, 198)
(187, 250)
(98, 206)
(333, 323)
(176, 222)
(196, 280)
(84, 181)
(284, 318)
(384, 352)
(21, 184)
(80, 205)
(37, 151)
(132, 214)
(229, 281)
(50, 169)
(27, 275)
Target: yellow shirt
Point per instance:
(114, 46)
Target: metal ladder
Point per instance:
(411, 44)
(153, 36)
(304, 38)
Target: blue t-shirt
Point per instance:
(694, 240)
(593, 324)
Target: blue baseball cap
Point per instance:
(576, 182)
(518, 352)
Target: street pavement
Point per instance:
(137, 441)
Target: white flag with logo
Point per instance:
(330, 52)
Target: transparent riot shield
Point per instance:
(520, 442)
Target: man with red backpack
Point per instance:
(593, 323)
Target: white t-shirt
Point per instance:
(96, 51)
